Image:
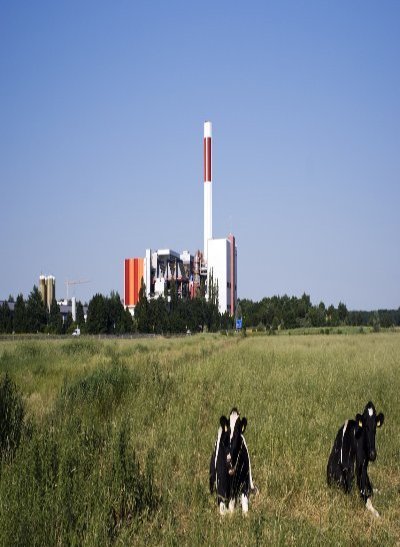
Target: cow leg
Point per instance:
(222, 508)
(245, 503)
(368, 486)
(363, 481)
(371, 508)
(253, 488)
(348, 475)
(231, 505)
(335, 472)
(368, 491)
(212, 473)
(347, 457)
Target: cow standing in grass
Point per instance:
(219, 466)
(355, 444)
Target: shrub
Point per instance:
(102, 390)
(76, 483)
(11, 418)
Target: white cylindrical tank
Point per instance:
(73, 310)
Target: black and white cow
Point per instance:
(240, 468)
(355, 444)
(230, 469)
(219, 465)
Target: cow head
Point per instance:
(237, 428)
(367, 423)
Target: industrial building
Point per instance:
(217, 263)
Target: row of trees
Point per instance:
(172, 314)
(32, 316)
(286, 312)
(177, 315)
(105, 315)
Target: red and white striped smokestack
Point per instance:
(207, 186)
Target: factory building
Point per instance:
(159, 269)
(222, 269)
(47, 289)
(217, 263)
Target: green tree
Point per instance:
(127, 322)
(332, 316)
(114, 310)
(141, 310)
(227, 321)
(55, 324)
(97, 315)
(80, 316)
(177, 315)
(375, 322)
(275, 324)
(342, 312)
(316, 316)
(5, 318)
(158, 315)
(289, 312)
(67, 324)
(36, 312)
(19, 319)
(119, 320)
(196, 308)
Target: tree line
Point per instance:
(173, 314)
(106, 315)
(284, 312)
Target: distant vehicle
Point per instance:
(76, 332)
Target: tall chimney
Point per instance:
(207, 187)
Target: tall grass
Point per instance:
(119, 436)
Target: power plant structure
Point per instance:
(47, 288)
(216, 265)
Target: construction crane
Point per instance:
(80, 282)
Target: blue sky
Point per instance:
(102, 107)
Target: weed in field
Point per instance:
(11, 418)
(100, 391)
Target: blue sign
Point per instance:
(238, 324)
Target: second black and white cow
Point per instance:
(240, 468)
(355, 445)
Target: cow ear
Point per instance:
(359, 420)
(224, 423)
(243, 423)
(379, 420)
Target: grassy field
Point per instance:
(119, 435)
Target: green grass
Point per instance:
(119, 436)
